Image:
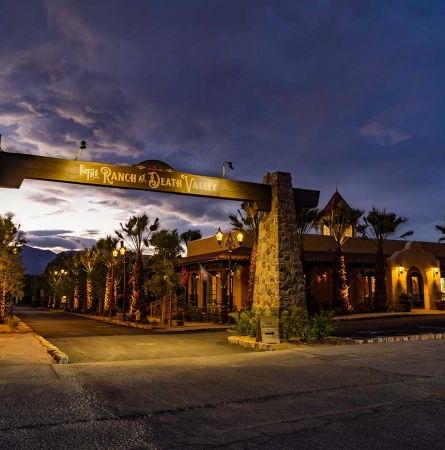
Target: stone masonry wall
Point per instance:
(279, 281)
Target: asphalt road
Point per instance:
(87, 340)
(391, 326)
(379, 396)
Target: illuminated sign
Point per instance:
(15, 167)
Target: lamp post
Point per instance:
(230, 243)
(122, 252)
(114, 254)
(57, 276)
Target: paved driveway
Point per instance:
(394, 326)
(87, 340)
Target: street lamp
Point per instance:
(230, 243)
(122, 252)
(57, 276)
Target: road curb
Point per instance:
(405, 338)
(244, 342)
(56, 353)
(59, 356)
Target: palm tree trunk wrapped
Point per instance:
(90, 298)
(76, 302)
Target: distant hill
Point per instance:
(35, 260)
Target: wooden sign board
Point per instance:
(148, 175)
(270, 333)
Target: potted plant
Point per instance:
(406, 302)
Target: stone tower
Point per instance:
(279, 281)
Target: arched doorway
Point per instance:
(414, 283)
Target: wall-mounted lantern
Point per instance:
(436, 271)
(400, 270)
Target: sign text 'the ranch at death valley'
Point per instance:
(148, 178)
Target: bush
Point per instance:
(245, 323)
(406, 302)
(297, 324)
(322, 325)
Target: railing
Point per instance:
(167, 308)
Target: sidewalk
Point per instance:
(20, 347)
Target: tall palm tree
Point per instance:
(441, 228)
(88, 261)
(74, 265)
(379, 225)
(105, 248)
(248, 223)
(340, 221)
(136, 233)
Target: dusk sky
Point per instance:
(348, 93)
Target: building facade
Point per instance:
(412, 267)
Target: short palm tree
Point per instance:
(249, 223)
(105, 248)
(136, 233)
(339, 221)
(379, 226)
(88, 261)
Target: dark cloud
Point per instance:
(47, 199)
(47, 232)
(337, 93)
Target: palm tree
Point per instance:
(105, 248)
(441, 228)
(88, 261)
(249, 224)
(379, 226)
(340, 221)
(190, 235)
(75, 268)
(136, 233)
(306, 219)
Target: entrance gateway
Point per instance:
(279, 279)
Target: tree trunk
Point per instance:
(137, 292)
(107, 295)
(2, 305)
(90, 299)
(380, 297)
(76, 302)
(340, 297)
(251, 280)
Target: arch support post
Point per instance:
(279, 279)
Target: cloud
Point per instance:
(47, 199)
(382, 134)
(47, 232)
(320, 90)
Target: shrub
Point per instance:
(297, 324)
(13, 323)
(245, 323)
(406, 301)
(322, 325)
